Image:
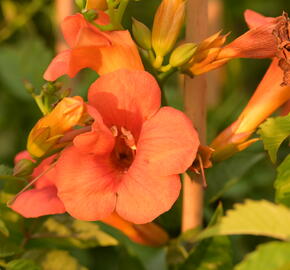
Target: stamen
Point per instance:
(128, 138)
(114, 130)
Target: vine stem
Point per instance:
(195, 107)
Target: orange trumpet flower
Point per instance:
(102, 51)
(268, 97)
(267, 38)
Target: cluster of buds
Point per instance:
(167, 25)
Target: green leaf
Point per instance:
(74, 232)
(5, 170)
(8, 248)
(211, 254)
(27, 60)
(254, 218)
(22, 264)
(270, 256)
(60, 260)
(282, 183)
(3, 228)
(273, 132)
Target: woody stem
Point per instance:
(195, 108)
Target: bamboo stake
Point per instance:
(195, 108)
(63, 8)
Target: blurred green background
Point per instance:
(27, 41)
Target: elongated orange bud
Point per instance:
(97, 4)
(268, 97)
(168, 21)
(44, 135)
(147, 234)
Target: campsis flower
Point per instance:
(167, 23)
(49, 129)
(102, 51)
(268, 97)
(261, 41)
(42, 199)
(131, 159)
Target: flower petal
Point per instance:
(99, 140)
(71, 61)
(258, 42)
(78, 32)
(125, 98)
(168, 143)
(38, 202)
(255, 19)
(86, 185)
(142, 197)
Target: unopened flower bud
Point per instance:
(182, 54)
(142, 34)
(81, 4)
(49, 129)
(97, 4)
(90, 15)
(23, 168)
(29, 87)
(168, 21)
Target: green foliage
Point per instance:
(273, 132)
(255, 218)
(60, 260)
(22, 264)
(211, 254)
(282, 183)
(26, 60)
(3, 228)
(270, 256)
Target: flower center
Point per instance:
(124, 151)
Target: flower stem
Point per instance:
(195, 108)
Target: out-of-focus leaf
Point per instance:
(25, 61)
(3, 228)
(151, 258)
(223, 176)
(7, 247)
(5, 170)
(60, 260)
(270, 256)
(66, 231)
(211, 254)
(273, 132)
(255, 218)
(282, 183)
(22, 264)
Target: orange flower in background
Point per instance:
(131, 159)
(268, 97)
(48, 130)
(102, 51)
(261, 41)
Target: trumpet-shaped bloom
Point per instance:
(42, 200)
(47, 131)
(102, 51)
(261, 41)
(268, 97)
(129, 162)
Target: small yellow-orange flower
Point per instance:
(49, 129)
(97, 4)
